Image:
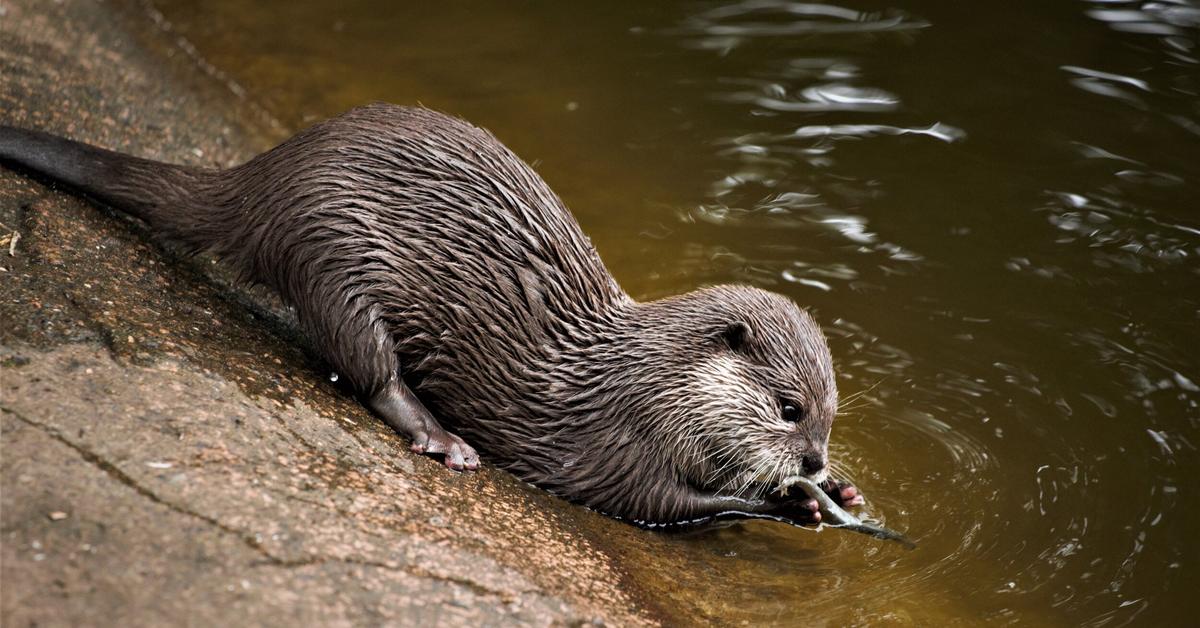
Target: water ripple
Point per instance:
(1120, 235)
(726, 27)
(937, 130)
(1175, 21)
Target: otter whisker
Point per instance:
(850, 406)
(856, 395)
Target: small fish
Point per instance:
(835, 516)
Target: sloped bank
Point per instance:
(168, 453)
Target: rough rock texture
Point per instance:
(169, 453)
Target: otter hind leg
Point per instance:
(401, 409)
(349, 332)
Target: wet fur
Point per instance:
(415, 245)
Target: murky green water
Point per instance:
(992, 207)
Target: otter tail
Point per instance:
(166, 196)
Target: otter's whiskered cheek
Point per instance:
(720, 377)
(734, 425)
(726, 401)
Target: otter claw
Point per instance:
(456, 454)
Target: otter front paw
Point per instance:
(456, 453)
(843, 494)
(806, 511)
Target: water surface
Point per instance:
(991, 207)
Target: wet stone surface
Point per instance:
(171, 453)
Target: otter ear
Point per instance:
(736, 335)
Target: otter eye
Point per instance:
(792, 413)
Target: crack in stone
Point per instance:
(412, 570)
(120, 476)
(249, 541)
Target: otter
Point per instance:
(437, 273)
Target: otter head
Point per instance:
(680, 403)
(752, 395)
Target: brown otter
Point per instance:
(441, 276)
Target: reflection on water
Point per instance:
(991, 207)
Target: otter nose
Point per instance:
(812, 463)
